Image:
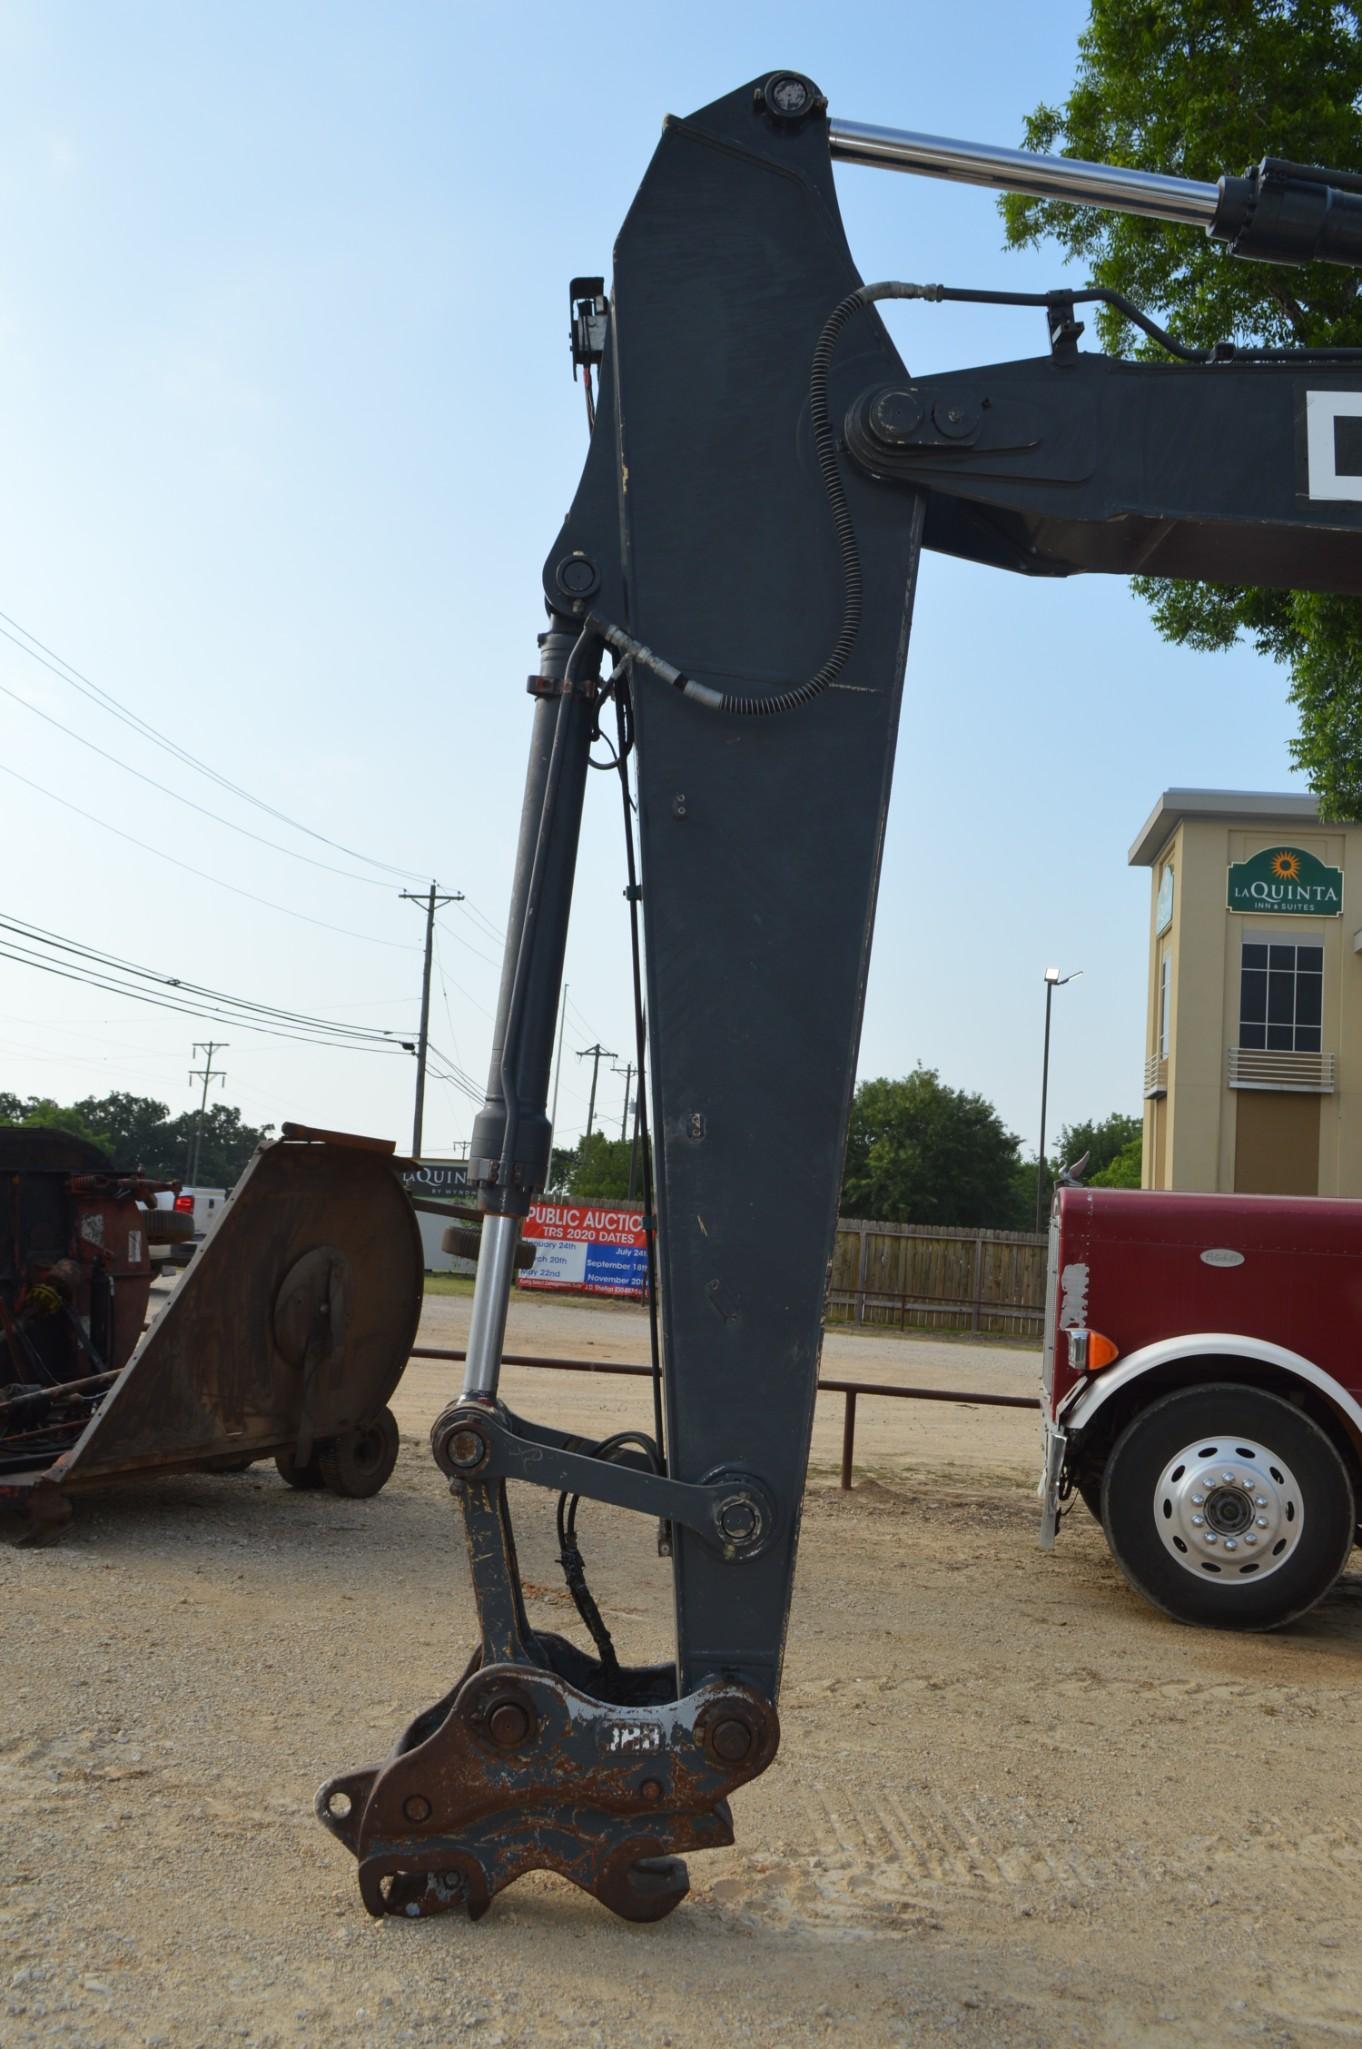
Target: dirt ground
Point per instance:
(1012, 1806)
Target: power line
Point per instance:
(179, 797)
(108, 972)
(187, 1009)
(458, 1077)
(459, 940)
(97, 957)
(492, 930)
(133, 840)
(68, 673)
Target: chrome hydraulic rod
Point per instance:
(1017, 170)
(491, 1299)
(1277, 212)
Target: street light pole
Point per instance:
(1053, 980)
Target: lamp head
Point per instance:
(1052, 974)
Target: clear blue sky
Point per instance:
(286, 427)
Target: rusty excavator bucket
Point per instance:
(285, 1337)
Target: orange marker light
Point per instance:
(1101, 1351)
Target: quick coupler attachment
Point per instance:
(521, 1769)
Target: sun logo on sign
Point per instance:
(1286, 866)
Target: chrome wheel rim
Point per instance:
(1229, 1509)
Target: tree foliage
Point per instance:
(919, 1152)
(1124, 1171)
(137, 1131)
(1197, 88)
(596, 1169)
(1103, 1139)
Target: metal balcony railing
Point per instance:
(1155, 1076)
(1289, 1073)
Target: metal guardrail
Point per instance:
(848, 1389)
(1311, 1074)
(902, 1306)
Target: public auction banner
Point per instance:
(597, 1249)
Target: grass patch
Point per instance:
(449, 1284)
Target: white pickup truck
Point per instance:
(200, 1206)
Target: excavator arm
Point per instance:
(743, 548)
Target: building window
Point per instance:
(1165, 986)
(1281, 997)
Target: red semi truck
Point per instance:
(1202, 1394)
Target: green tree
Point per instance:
(1103, 1140)
(132, 1129)
(1198, 87)
(137, 1131)
(1124, 1171)
(225, 1146)
(41, 1110)
(919, 1152)
(595, 1169)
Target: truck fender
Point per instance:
(1079, 1408)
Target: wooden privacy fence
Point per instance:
(929, 1277)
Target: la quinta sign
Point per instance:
(1286, 881)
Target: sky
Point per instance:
(287, 426)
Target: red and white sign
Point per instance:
(595, 1248)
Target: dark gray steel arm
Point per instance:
(732, 1513)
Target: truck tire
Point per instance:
(1227, 1506)
(359, 1463)
(1088, 1488)
(304, 1477)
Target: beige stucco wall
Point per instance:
(1204, 942)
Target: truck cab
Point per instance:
(1202, 1394)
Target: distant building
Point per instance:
(444, 1180)
(1253, 1067)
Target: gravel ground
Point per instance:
(1013, 1806)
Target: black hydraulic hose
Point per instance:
(1221, 352)
(825, 449)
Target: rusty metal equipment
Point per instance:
(285, 1335)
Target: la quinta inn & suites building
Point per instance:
(1253, 1045)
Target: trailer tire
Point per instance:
(1228, 1507)
(303, 1477)
(359, 1463)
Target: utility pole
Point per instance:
(628, 1073)
(207, 1073)
(1053, 980)
(595, 1054)
(433, 902)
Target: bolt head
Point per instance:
(1262, 1522)
(1211, 1537)
(1230, 1544)
(1228, 1479)
(1252, 1537)
(738, 1520)
(466, 1448)
(1198, 1520)
(651, 1791)
(1197, 1500)
(416, 1807)
(509, 1724)
(1260, 1501)
(731, 1740)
